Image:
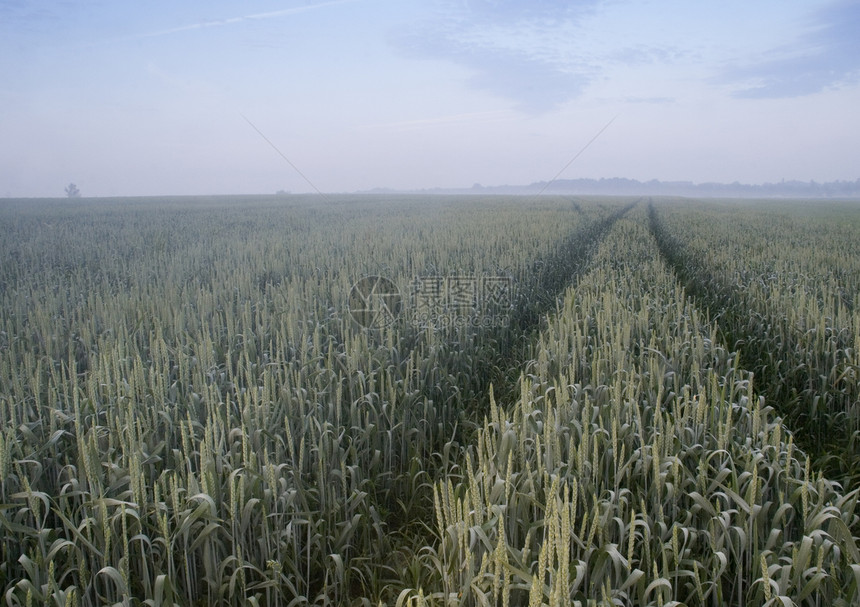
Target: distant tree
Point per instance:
(72, 191)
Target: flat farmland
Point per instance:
(416, 400)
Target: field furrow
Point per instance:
(638, 466)
(782, 283)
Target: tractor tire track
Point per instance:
(740, 328)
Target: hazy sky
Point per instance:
(146, 98)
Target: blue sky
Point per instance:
(129, 98)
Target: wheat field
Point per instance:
(556, 401)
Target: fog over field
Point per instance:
(430, 303)
(428, 401)
(160, 98)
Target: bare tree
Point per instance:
(72, 191)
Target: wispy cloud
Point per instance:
(650, 100)
(516, 50)
(252, 17)
(646, 54)
(827, 56)
(216, 23)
